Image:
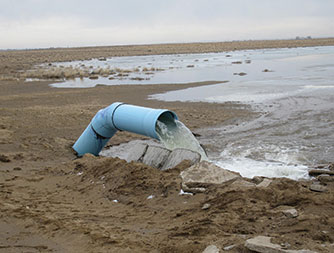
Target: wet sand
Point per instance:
(52, 202)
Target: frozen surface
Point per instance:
(165, 69)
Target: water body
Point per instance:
(296, 128)
(175, 134)
(200, 67)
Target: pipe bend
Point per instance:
(103, 123)
(120, 116)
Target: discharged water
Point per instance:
(174, 134)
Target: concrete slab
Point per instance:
(178, 155)
(243, 183)
(211, 249)
(265, 183)
(205, 173)
(263, 244)
(136, 152)
(156, 156)
(318, 188)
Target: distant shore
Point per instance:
(20, 60)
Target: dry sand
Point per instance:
(52, 202)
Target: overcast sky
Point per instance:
(68, 23)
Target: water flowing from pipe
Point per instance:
(174, 134)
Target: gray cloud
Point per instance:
(45, 23)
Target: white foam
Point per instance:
(251, 168)
(273, 162)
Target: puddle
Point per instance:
(236, 66)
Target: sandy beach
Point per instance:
(50, 201)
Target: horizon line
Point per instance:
(164, 43)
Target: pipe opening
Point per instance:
(167, 118)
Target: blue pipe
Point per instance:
(123, 117)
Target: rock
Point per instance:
(320, 166)
(227, 248)
(178, 155)
(240, 74)
(203, 174)
(257, 179)
(243, 183)
(156, 156)
(4, 158)
(94, 77)
(35, 179)
(329, 166)
(137, 152)
(285, 245)
(290, 213)
(137, 78)
(265, 183)
(317, 172)
(325, 178)
(318, 188)
(262, 244)
(192, 189)
(102, 59)
(206, 206)
(211, 249)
